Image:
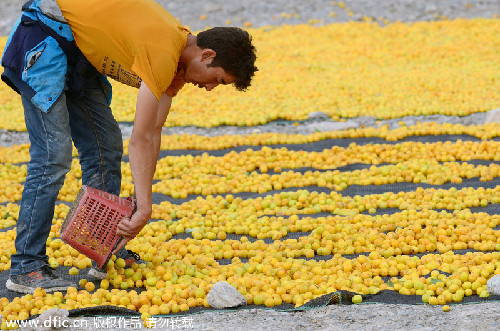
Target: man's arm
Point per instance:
(163, 110)
(144, 148)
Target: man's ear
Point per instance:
(207, 55)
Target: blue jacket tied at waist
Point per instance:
(37, 56)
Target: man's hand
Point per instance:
(128, 228)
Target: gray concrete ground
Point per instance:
(376, 317)
(277, 12)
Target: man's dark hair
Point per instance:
(234, 53)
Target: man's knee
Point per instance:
(48, 168)
(60, 157)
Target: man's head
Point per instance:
(223, 55)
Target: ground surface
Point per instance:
(276, 12)
(360, 317)
(464, 317)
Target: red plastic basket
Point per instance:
(90, 226)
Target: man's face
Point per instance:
(198, 73)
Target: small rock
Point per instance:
(318, 114)
(430, 8)
(334, 126)
(493, 285)
(52, 319)
(493, 116)
(212, 7)
(223, 295)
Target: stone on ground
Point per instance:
(223, 295)
(319, 115)
(493, 116)
(493, 285)
(332, 126)
(52, 319)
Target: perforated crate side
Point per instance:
(94, 229)
(124, 205)
(91, 229)
(73, 208)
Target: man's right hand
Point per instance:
(129, 228)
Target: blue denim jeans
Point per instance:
(86, 121)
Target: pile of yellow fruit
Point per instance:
(347, 70)
(274, 241)
(248, 171)
(20, 153)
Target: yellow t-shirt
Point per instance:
(128, 40)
